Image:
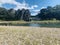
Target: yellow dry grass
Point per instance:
(19, 35)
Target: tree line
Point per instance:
(11, 14)
(49, 13)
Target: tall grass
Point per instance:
(12, 35)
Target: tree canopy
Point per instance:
(49, 13)
(12, 14)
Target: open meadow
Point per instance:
(29, 22)
(21, 35)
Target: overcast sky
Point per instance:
(33, 5)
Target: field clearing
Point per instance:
(20, 35)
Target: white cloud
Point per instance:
(34, 6)
(9, 2)
(0, 5)
(36, 10)
(34, 14)
(18, 5)
(26, 6)
(43, 7)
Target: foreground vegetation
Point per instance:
(12, 35)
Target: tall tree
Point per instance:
(27, 15)
(11, 14)
(18, 14)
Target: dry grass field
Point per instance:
(12, 35)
